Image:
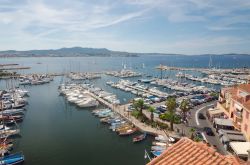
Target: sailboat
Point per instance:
(143, 65)
(12, 159)
(124, 66)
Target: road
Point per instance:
(199, 124)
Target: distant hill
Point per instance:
(65, 52)
(88, 52)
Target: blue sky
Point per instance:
(167, 26)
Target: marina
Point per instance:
(122, 110)
(12, 105)
(92, 104)
(35, 79)
(131, 82)
(123, 73)
(137, 89)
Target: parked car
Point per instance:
(209, 131)
(162, 110)
(201, 116)
(163, 99)
(158, 112)
(208, 98)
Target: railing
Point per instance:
(238, 114)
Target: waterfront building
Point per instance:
(188, 152)
(235, 102)
(240, 149)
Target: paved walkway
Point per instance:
(193, 121)
(122, 110)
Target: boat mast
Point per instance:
(210, 64)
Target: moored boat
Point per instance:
(127, 132)
(159, 143)
(156, 153)
(139, 138)
(158, 148)
(124, 127)
(12, 159)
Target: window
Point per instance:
(245, 127)
(247, 114)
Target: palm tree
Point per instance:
(139, 106)
(192, 130)
(171, 106)
(152, 110)
(184, 108)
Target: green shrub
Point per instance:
(135, 113)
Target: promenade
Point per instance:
(122, 110)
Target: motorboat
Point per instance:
(127, 132)
(159, 143)
(90, 102)
(12, 111)
(12, 159)
(156, 153)
(158, 148)
(139, 138)
(7, 133)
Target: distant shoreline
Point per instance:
(94, 52)
(20, 56)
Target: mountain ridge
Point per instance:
(86, 52)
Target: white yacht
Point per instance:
(89, 102)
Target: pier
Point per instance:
(122, 110)
(145, 91)
(205, 70)
(15, 68)
(2, 65)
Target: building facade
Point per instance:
(235, 102)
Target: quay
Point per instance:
(205, 70)
(2, 65)
(15, 68)
(122, 110)
(145, 91)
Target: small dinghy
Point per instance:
(156, 153)
(12, 159)
(139, 138)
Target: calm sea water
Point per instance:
(57, 133)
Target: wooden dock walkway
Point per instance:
(122, 110)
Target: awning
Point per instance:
(223, 122)
(238, 107)
(240, 148)
(215, 111)
(243, 94)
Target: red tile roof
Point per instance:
(245, 87)
(188, 152)
(247, 105)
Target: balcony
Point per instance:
(238, 114)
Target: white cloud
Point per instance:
(53, 24)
